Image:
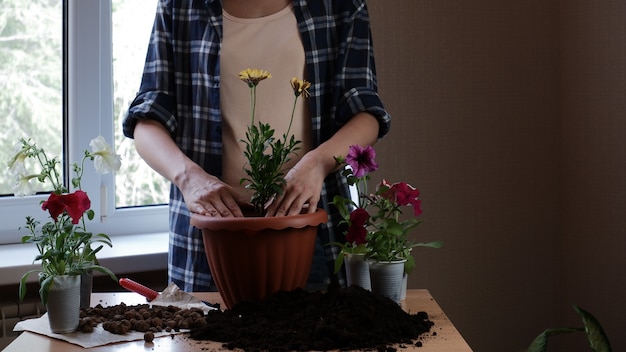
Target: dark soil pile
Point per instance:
(339, 319)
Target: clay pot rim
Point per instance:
(255, 223)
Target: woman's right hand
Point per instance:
(203, 193)
(208, 195)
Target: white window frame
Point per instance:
(90, 113)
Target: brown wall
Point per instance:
(593, 117)
(508, 117)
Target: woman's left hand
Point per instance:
(302, 191)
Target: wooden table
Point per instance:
(443, 336)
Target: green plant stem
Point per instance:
(362, 193)
(43, 160)
(293, 111)
(252, 103)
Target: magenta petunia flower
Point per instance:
(403, 193)
(361, 160)
(357, 233)
(76, 204)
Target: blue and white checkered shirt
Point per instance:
(181, 87)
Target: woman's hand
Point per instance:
(208, 195)
(305, 179)
(302, 191)
(203, 193)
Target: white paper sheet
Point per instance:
(172, 295)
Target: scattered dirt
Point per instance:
(339, 319)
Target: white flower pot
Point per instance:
(357, 270)
(386, 278)
(63, 304)
(405, 278)
(86, 285)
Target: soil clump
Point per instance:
(338, 319)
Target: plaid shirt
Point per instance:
(180, 89)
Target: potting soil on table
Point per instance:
(338, 319)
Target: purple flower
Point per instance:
(361, 160)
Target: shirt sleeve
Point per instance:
(356, 71)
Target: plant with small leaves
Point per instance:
(64, 245)
(266, 155)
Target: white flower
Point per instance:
(22, 186)
(105, 160)
(16, 164)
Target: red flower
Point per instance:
(75, 204)
(361, 160)
(403, 193)
(356, 233)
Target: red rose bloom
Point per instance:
(75, 204)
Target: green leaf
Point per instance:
(22, 290)
(540, 343)
(44, 289)
(433, 244)
(598, 340)
(339, 262)
(409, 265)
(104, 270)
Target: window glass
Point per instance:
(136, 184)
(31, 80)
(33, 104)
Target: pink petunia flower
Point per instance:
(403, 193)
(361, 160)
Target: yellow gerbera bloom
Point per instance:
(300, 86)
(253, 76)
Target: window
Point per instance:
(137, 184)
(30, 85)
(91, 111)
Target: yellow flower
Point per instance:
(300, 86)
(253, 76)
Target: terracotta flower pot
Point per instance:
(253, 257)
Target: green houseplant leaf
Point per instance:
(598, 340)
(540, 343)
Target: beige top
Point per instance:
(270, 43)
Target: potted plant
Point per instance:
(253, 256)
(65, 247)
(376, 230)
(596, 337)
